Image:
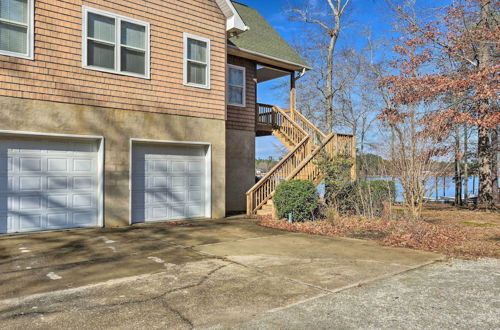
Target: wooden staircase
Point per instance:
(306, 144)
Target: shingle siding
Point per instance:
(56, 73)
(243, 118)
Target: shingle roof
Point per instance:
(262, 38)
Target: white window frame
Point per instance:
(241, 68)
(118, 45)
(185, 60)
(30, 34)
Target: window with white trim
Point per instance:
(236, 85)
(16, 28)
(114, 43)
(196, 61)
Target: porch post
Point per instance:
(293, 95)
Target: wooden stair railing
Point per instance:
(334, 144)
(287, 127)
(263, 190)
(307, 144)
(284, 127)
(318, 137)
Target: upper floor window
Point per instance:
(16, 28)
(116, 44)
(196, 61)
(236, 85)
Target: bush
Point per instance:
(362, 197)
(298, 197)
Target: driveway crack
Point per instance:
(202, 280)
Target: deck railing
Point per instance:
(265, 114)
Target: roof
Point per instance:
(262, 40)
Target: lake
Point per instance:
(446, 187)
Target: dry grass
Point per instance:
(482, 227)
(444, 229)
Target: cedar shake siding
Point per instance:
(56, 73)
(243, 118)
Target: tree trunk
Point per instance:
(329, 85)
(466, 166)
(458, 174)
(485, 199)
(494, 164)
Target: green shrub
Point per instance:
(298, 197)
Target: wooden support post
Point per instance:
(293, 95)
(256, 114)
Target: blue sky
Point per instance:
(371, 13)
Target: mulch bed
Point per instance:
(443, 233)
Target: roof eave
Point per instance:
(234, 23)
(266, 59)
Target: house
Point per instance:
(119, 112)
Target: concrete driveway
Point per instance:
(196, 274)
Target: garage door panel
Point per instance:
(195, 196)
(194, 211)
(83, 165)
(178, 196)
(168, 182)
(57, 165)
(158, 182)
(57, 201)
(83, 201)
(30, 165)
(29, 203)
(57, 220)
(82, 219)
(83, 182)
(29, 183)
(50, 184)
(57, 183)
(30, 222)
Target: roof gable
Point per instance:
(262, 39)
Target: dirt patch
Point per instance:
(444, 229)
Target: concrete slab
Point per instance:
(194, 274)
(47, 261)
(326, 262)
(196, 294)
(458, 294)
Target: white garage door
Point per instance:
(47, 184)
(168, 182)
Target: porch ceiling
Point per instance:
(265, 74)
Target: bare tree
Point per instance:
(325, 15)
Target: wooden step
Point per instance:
(264, 212)
(267, 207)
(283, 139)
